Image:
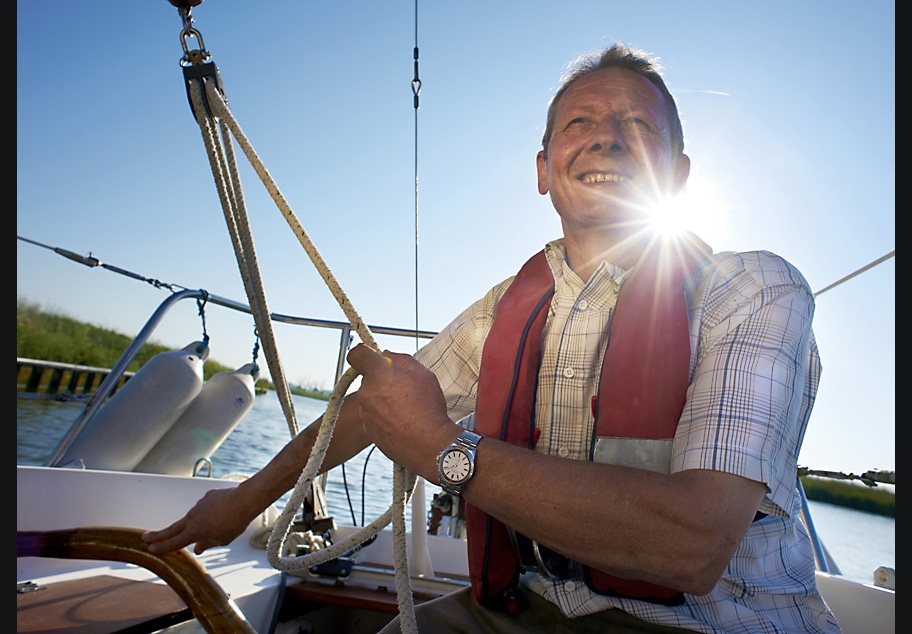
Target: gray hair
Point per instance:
(618, 56)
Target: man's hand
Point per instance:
(402, 408)
(213, 521)
(221, 515)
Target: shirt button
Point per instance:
(583, 305)
(568, 372)
(563, 452)
(570, 586)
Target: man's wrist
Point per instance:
(250, 499)
(456, 463)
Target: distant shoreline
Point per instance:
(877, 500)
(320, 395)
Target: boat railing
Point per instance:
(113, 378)
(822, 558)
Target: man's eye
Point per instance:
(577, 123)
(635, 122)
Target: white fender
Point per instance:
(129, 424)
(224, 400)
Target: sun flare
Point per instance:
(699, 210)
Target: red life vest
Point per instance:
(642, 388)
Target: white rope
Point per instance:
(403, 481)
(227, 181)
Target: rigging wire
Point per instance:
(416, 90)
(879, 260)
(91, 261)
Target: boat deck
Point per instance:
(76, 591)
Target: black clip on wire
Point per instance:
(196, 64)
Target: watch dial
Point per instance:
(455, 466)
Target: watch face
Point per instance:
(455, 466)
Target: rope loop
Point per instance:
(201, 307)
(256, 348)
(201, 303)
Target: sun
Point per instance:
(699, 210)
(669, 217)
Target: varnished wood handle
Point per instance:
(214, 610)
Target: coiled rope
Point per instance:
(224, 168)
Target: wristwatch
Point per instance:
(456, 463)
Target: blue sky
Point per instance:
(788, 108)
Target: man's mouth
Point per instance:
(603, 177)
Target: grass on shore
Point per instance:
(880, 500)
(50, 336)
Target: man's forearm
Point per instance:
(284, 470)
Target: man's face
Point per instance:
(611, 157)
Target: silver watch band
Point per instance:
(469, 440)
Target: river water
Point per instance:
(362, 491)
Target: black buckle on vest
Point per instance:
(533, 557)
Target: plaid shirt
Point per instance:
(754, 374)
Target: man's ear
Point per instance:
(682, 173)
(542, 169)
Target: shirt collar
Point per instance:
(556, 255)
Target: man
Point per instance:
(649, 399)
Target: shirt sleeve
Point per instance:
(454, 355)
(754, 373)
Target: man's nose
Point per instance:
(613, 147)
(607, 137)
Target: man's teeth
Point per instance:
(605, 178)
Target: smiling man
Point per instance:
(611, 153)
(637, 406)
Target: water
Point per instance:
(263, 432)
(258, 437)
(859, 542)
